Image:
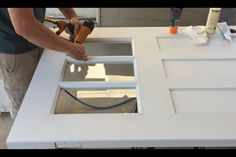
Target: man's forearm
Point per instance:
(68, 13)
(26, 25)
(43, 37)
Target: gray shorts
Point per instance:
(16, 71)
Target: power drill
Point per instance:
(84, 29)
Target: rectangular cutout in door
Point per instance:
(201, 70)
(99, 72)
(66, 104)
(105, 48)
(183, 44)
(204, 100)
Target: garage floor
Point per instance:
(5, 126)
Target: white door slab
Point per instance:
(186, 96)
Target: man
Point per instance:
(22, 39)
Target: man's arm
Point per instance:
(27, 26)
(69, 13)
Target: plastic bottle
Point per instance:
(212, 20)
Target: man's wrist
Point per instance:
(74, 16)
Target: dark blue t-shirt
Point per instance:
(10, 42)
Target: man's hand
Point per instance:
(73, 18)
(77, 51)
(76, 22)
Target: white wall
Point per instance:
(82, 12)
(146, 17)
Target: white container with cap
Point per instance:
(212, 20)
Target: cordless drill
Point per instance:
(84, 29)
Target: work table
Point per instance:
(185, 96)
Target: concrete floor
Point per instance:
(5, 126)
